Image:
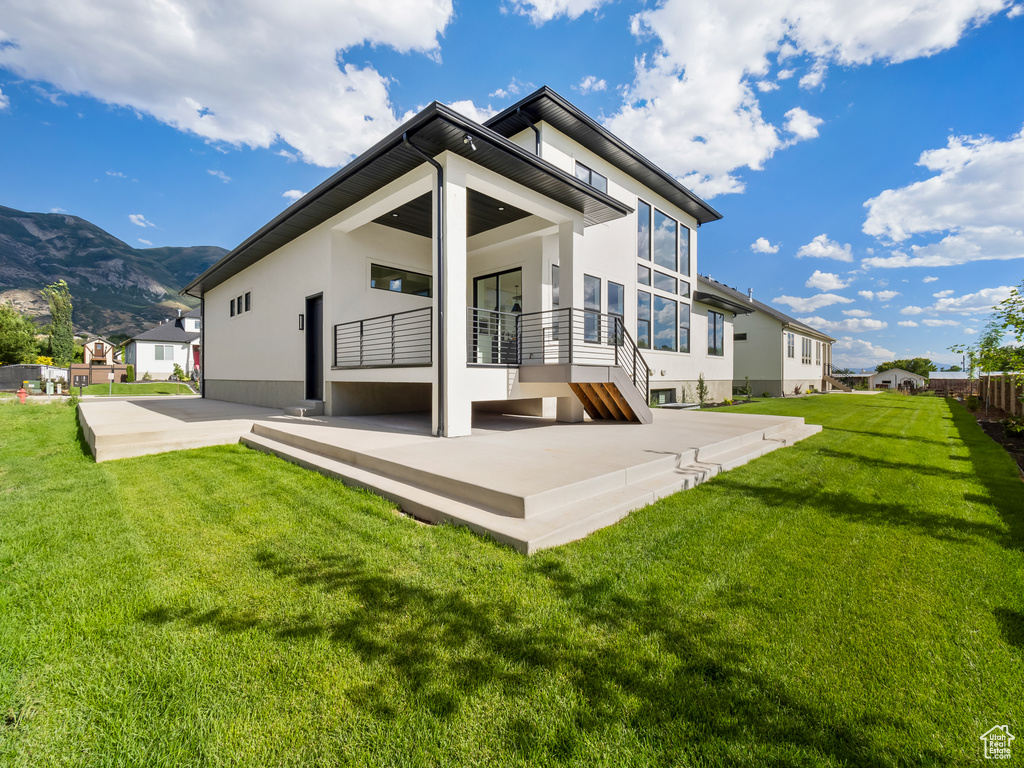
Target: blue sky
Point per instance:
(868, 158)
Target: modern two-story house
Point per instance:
(534, 264)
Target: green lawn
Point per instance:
(139, 388)
(855, 600)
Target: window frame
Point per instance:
(587, 177)
(392, 268)
(640, 318)
(716, 334)
(791, 346)
(592, 312)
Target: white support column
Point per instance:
(570, 289)
(450, 304)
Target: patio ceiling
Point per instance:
(483, 213)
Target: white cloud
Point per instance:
(880, 295)
(763, 246)
(541, 11)
(694, 104)
(971, 205)
(856, 313)
(766, 86)
(116, 174)
(939, 323)
(907, 324)
(139, 220)
(972, 303)
(514, 88)
(812, 302)
(1015, 11)
(146, 242)
(293, 194)
(858, 353)
(929, 280)
(823, 248)
(802, 125)
(57, 210)
(472, 111)
(253, 77)
(5, 102)
(969, 331)
(912, 310)
(291, 157)
(943, 294)
(826, 281)
(850, 325)
(220, 175)
(591, 84)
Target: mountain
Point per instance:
(114, 288)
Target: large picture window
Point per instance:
(399, 280)
(665, 324)
(592, 309)
(716, 334)
(666, 240)
(643, 319)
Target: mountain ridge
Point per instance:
(114, 288)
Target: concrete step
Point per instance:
(306, 408)
(565, 514)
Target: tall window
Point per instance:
(716, 334)
(684, 327)
(805, 351)
(684, 249)
(643, 319)
(817, 353)
(643, 230)
(592, 309)
(664, 324)
(666, 241)
(790, 345)
(591, 177)
(616, 311)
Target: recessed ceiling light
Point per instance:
(395, 215)
(501, 207)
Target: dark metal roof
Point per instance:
(434, 130)
(729, 305)
(547, 106)
(483, 212)
(169, 332)
(760, 306)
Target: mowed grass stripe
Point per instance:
(853, 600)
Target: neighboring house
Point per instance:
(534, 264)
(777, 352)
(157, 350)
(99, 351)
(895, 378)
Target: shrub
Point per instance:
(130, 373)
(1013, 426)
(727, 401)
(765, 394)
(702, 389)
(971, 403)
(746, 388)
(147, 376)
(179, 374)
(73, 401)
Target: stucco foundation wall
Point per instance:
(267, 394)
(718, 389)
(349, 398)
(790, 385)
(531, 407)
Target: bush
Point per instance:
(971, 403)
(702, 389)
(765, 394)
(73, 401)
(179, 374)
(1013, 426)
(130, 373)
(727, 401)
(147, 376)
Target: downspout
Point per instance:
(202, 346)
(439, 234)
(536, 130)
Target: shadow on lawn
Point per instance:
(681, 682)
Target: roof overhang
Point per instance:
(547, 106)
(721, 302)
(434, 130)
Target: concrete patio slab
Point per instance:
(530, 483)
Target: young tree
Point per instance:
(1010, 317)
(62, 338)
(17, 337)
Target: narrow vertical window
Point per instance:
(665, 322)
(232, 306)
(248, 301)
(643, 230)
(643, 319)
(666, 241)
(684, 249)
(684, 327)
(616, 312)
(716, 334)
(790, 345)
(592, 309)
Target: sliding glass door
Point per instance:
(497, 299)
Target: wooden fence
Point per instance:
(1001, 392)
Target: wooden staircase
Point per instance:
(602, 400)
(837, 383)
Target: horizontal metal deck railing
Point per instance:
(402, 339)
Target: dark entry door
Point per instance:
(315, 348)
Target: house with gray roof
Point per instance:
(174, 341)
(781, 355)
